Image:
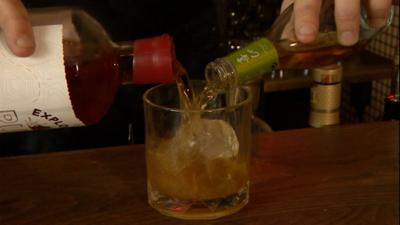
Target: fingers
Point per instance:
(286, 4)
(15, 23)
(347, 13)
(306, 19)
(378, 12)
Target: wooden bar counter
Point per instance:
(344, 175)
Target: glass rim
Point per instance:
(146, 100)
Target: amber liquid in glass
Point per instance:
(201, 189)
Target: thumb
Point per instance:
(17, 28)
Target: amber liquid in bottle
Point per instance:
(93, 84)
(305, 59)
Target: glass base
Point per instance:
(199, 210)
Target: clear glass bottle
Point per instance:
(76, 84)
(280, 49)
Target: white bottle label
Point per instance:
(33, 90)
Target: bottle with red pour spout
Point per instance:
(75, 72)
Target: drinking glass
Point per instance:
(197, 159)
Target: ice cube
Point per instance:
(215, 139)
(199, 162)
(202, 138)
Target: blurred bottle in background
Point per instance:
(325, 95)
(392, 102)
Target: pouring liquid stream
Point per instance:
(188, 98)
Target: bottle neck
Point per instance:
(248, 64)
(145, 61)
(126, 61)
(221, 74)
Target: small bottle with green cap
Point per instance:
(280, 49)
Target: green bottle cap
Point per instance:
(254, 60)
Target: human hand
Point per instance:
(15, 24)
(347, 12)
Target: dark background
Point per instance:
(199, 38)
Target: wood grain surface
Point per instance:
(344, 175)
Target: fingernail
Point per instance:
(348, 38)
(377, 22)
(307, 30)
(25, 42)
